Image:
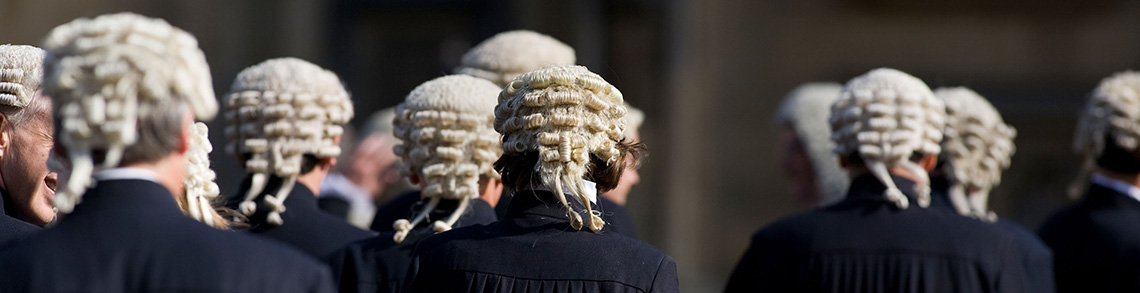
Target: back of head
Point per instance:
(508, 54)
(977, 145)
(1108, 130)
(279, 112)
(883, 118)
(448, 142)
(121, 83)
(572, 120)
(805, 110)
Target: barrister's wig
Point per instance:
(508, 54)
(567, 115)
(200, 196)
(634, 117)
(885, 117)
(278, 111)
(805, 110)
(448, 143)
(21, 69)
(105, 73)
(977, 145)
(1110, 117)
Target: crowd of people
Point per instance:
(516, 170)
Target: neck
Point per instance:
(313, 179)
(1133, 179)
(170, 169)
(896, 171)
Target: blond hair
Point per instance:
(448, 143)
(109, 73)
(278, 111)
(506, 55)
(885, 116)
(567, 114)
(978, 146)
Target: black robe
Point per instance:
(616, 216)
(1036, 256)
(866, 244)
(305, 226)
(12, 228)
(130, 236)
(1096, 243)
(379, 264)
(534, 249)
(402, 207)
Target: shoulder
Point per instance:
(12, 229)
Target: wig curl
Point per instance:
(448, 143)
(278, 111)
(885, 116)
(978, 146)
(104, 73)
(567, 114)
(21, 70)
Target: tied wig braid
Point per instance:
(106, 72)
(1112, 112)
(508, 54)
(885, 116)
(978, 146)
(567, 114)
(201, 192)
(278, 111)
(448, 143)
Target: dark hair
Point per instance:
(1116, 159)
(518, 170)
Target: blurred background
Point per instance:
(709, 74)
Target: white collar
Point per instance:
(1117, 185)
(591, 190)
(126, 173)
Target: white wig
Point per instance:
(104, 72)
(566, 113)
(21, 70)
(885, 116)
(1112, 112)
(634, 117)
(278, 111)
(448, 142)
(201, 191)
(805, 110)
(508, 54)
(978, 146)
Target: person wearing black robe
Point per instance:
(881, 237)
(455, 175)
(26, 182)
(12, 228)
(1096, 247)
(556, 122)
(127, 233)
(301, 107)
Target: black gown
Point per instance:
(305, 226)
(379, 264)
(12, 228)
(616, 216)
(534, 249)
(866, 244)
(1096, 243)
(1036, 256)
(130, 236)
(402, 207)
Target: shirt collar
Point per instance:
(1116, 185)
(126, 173)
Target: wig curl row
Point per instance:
(1111, 116)
(566, 114)
(201, 191)
(885, 116)
(104, 73)
(448, 143)
(21, 70)
(277, 112)
(978, 146)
